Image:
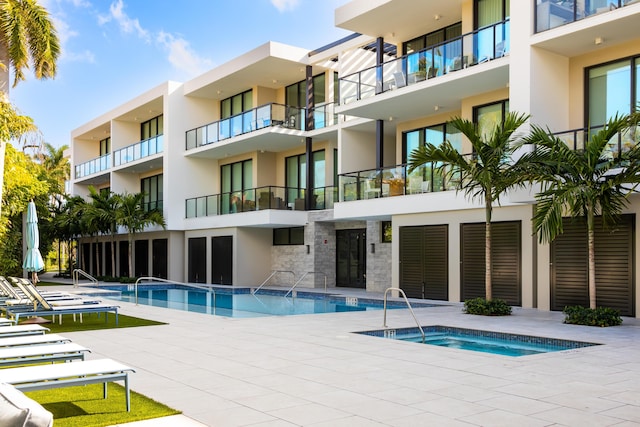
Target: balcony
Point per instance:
(258, 199)
(258, 118)
(395, 181)
(554, 13)
(617, 145)
(468, 50)
(138, 151)
(93, 166)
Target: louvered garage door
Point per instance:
(424, 262)
(506, 260)
(614, 266)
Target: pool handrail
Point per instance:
(208, 288)
(384, 323)
(273, 273)
(78, 272)
(302, 277)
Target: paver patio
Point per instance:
(311, 370)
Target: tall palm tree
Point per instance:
(104, 208)
(485, 175)
(585, 183)
(28, 39)
(56, 166)
(134, 218)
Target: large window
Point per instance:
(296, 173)
(489, 116)
(152, 189)
(612, 89)
(151, 128)
(236, 104)
(105, 146)
(237, 187)
(433, 38)
(296, 94)
(489, 12)
(436, 135)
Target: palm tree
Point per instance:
(56, 166)
(132, 216)
(28, 39)
(103, 212)
(68, 224)
(486, 174)
(585, 183)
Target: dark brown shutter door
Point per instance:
(411, 261)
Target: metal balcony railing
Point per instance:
(395, 181)
(90, 167)
(139, 150)
(249, 121)
(461, 52)
(261, 198)
(555, 13)
(620, 143)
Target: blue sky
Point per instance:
(113, 50)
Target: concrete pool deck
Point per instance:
(311, 370)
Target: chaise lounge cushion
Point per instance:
(17, 410)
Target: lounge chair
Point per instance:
(44, 377)
(54, 298)
(32, 340)
(45, 308)
(22, 330)
(24, 355)
(6, 322)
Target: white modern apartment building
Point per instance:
(291, 164)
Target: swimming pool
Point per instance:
(477, 340)
(240, 302)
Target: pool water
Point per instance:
(241, 303)
(483, 341)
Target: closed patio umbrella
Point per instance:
(33, 261)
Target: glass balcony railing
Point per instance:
(617, 145)
(395, 181)
(554, 13)
(256, 199)
(324, 115)
(465, 51)
(252, 120)
(137, 151)
(100, 164)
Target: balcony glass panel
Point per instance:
(90, 167)
(395, 181)
(138, 151)
(248, 121)
(554, 13)
(470, 49)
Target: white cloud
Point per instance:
(127, 25)
(181, 56)
(285, 5)
(85, 56)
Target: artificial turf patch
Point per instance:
(96, 321)
(84, 406)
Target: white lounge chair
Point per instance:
(22, 330)
(32, 340)
(44, 377)
(10, 356)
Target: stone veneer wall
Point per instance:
(378, 263)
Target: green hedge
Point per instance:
(481, 306)
(601, 316)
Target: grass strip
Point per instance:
(96, 321)
(84, 406)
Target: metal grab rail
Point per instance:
(77, 272)
(273, 273)
(384, 324)
(207, 287)
(303, 276)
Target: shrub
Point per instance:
(125, 279)
(481, 306)
(600, 316)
